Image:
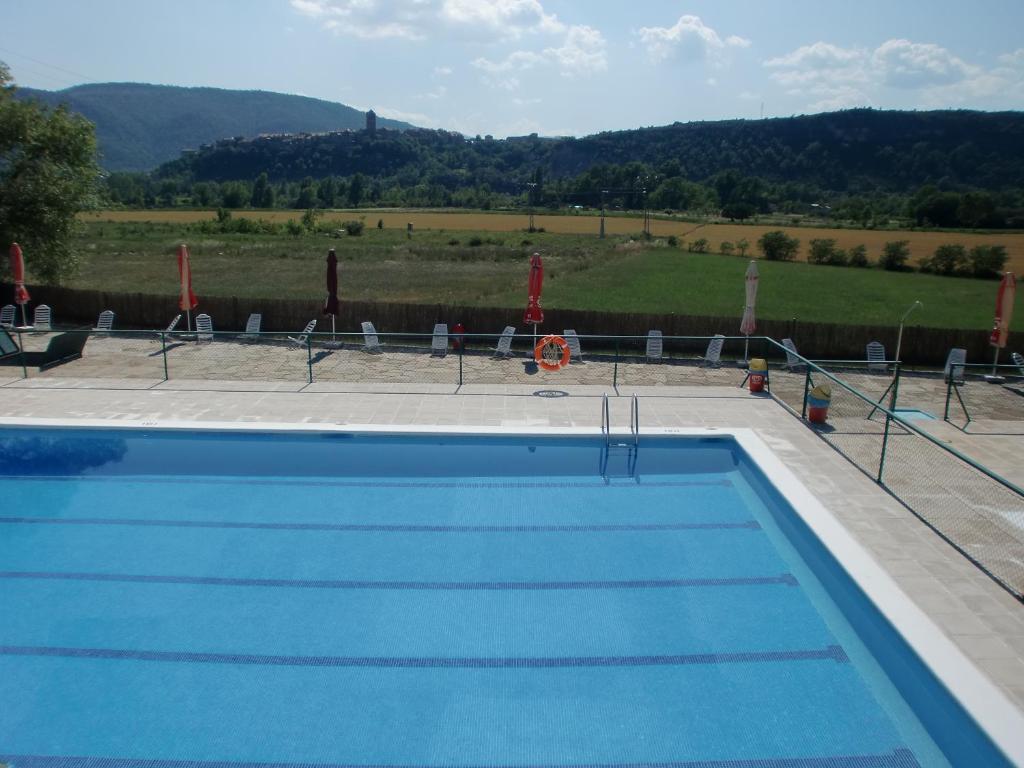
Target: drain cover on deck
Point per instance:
(550, 393)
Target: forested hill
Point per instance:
(139, 126)
(859, 151)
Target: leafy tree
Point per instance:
(858, 256)
(947, 260)
(700, 245)
(895, 255)
(824, 251)
(987, 260)
(356, 188)
(307, 194)
(48, 173)
(778, 246)
(741, 245)
(262, 192)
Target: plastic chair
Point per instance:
(654, 346)
(7, 316)
(575, 352)
(793, 362)
(1018, 360)
(439, 341)
(302, 338)
(371, 343)
(954, 370)
(713, 355)
(173, 324)
(252, 327)
(875, 351)
(105, 323)
(204, 328)
(41, 318)
(504, 348)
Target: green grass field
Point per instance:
(581, 272)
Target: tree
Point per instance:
(778, 246)
(48, 173)
(950, 259)
(262, 192)
(824, 251)
(894, 256)
(988, 260)
(356, 188)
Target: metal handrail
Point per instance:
(634, 419)
(606, 426)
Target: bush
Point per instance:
(858, 256)
(698, 246)
(895, 255)
(673, 241)
(726, 248)
(380, 223)
(987, 260)
(453, 241)
(309, 219)
(950, 259)
(354, 228)
(824, 251)
(476, 241)
(741, 246)
(778, 246)
(294, 228)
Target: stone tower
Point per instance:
(371, 123)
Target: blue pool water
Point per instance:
(424, 601)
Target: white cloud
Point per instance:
(370, 19)
(442, 71)
(437, 93)
(416, 118)
(509, 18)
(904, 64)
(583, 52)
(689, 39)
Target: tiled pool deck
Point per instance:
(980, 617)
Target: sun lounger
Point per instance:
(954, 370)
(504, 348)
(875, 351)
(713, 355)
(302, 338)
(105, 322)
(7, 316)
(654, 346)
(41, 318)
(173, 324)
(575, 352)
(62, 348)
(1018, 360)
(252, 327)
(204, 328)
(439, 340)
(371, 343)
(793, 362)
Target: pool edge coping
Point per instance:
(1000, 719)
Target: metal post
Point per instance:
(885, 443)
(21, 346)
(949, 392)
(807, 388)
(309, 356)
(462, 347)
(615, 369)
(895, 387)
(163, 348)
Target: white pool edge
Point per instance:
(990, 708)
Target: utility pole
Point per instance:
(603, 193)
(532, 186)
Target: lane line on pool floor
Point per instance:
(829, 653)
(786, 579)
(385, 527)
(637, 481)
(900, 757)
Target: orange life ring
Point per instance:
(546, 343)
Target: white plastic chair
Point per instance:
(371, 343)
(105, 323)
(7, 316)
(793, 362)
(575, 352)
(954, 370)
(504, 348)
(1018, 360)
(439, 341)
(204, 328)
(41, 318)
(302, 338)
(876, 357)
(713, 355)
(252, 327)
(173, 324)
(654, 346)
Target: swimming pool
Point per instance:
(343, 599)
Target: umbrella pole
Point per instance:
(24, 317)
(332, 327)
(995, 362)
(746, 347)
(188, 320)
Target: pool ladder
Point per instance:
(613, 448)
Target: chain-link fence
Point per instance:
(985, 399)
(976, 510)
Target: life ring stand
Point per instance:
(546, 343)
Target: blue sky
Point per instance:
(508, 67)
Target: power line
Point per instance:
(46, 64)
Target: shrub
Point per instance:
(778, 246)
(987, 260)
(824, 251)
(380, 223)
(309, 219)
(950, 259)
(354, 228)
(673, 241)
(741, 246)
(476, 241)
(453, 241)
(294, 228)
(858, 256)
(895, 255)
(699, 246)
(726, 248)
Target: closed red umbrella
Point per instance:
(186, 298)
(534, 315)
(331, 304)
(1004, 315)
(749, 324)
(18, 273)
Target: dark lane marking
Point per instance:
(901, 757)
(830, 653)
(382, 483)
(498, 586)
(384, 527)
